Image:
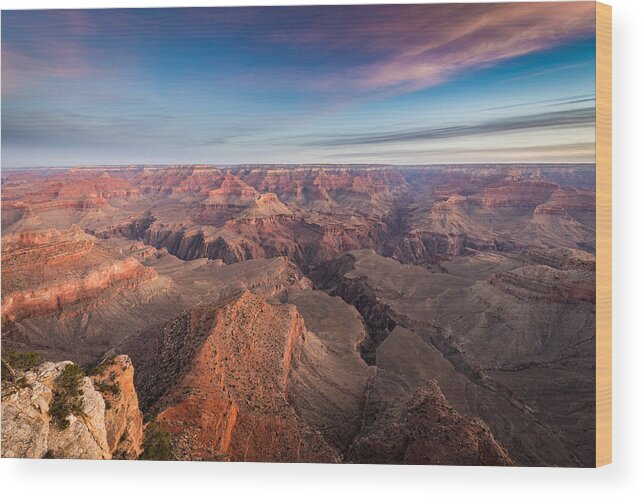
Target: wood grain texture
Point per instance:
(603, 234)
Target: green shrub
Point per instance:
(95, 369)
(157, 444)
(21, 360)
(13, 366)
(71, 378)
(105, 387)
(67, 396)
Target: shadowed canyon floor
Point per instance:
(319, 313)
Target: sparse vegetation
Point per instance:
(106, 387)
(157, 444)
(22, 361)
(13, 366)
(67, 396)
(124, 436)
(99, 368)
(109, 386)
(11, 385)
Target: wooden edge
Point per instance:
(603, 234)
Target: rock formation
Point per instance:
(114, 379)
(45, 272)
(217, 379)
(37, 422)
(267, 205)
(425, 429)
(233, 192)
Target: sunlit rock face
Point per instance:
(218, 379)
(114, 379)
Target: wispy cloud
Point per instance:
(571, 118)
(380, 47)
(425, 45)
(561, 101)
(572, 152)
(20, 69)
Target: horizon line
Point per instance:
(313, 164)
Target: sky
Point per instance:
(393, 84)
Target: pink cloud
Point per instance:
(393, 47)
(20, 70)
(423, 45)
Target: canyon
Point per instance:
(440, 314)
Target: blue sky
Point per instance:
(408, 84)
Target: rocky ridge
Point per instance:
(217, 379)
(30, 429)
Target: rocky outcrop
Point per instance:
(520, 193)
(421, 247)
(423, 428)
(114, 379)
(26, 209)
(563, 259)
(132, 228)
(266, 235)
(197, 242)
(217, 379)
(541, 282)
(27, 426)
(37, 422)
(233, 192)
(561, 274)
(31, 250)
(224, 203)
(569, 199)
(267, 205)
